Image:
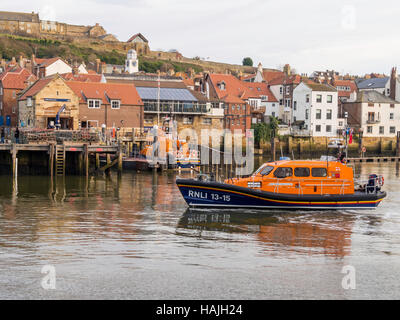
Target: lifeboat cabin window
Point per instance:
(318, 172)
(283, 172)
(302, 172)
(266, 171)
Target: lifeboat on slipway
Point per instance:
(287, 184)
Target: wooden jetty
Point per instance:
(374, 159)
(59, 157)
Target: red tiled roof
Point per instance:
(230, 98)
(126, 93)
(233, 86)
(83, 77)
(269, 75)
(188, 82)
(17, 79)
(35, 88)
(345, 83)
(283, 79)
(238, 90)
(256, 89)
(47, 62)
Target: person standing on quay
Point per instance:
(2, 134)
(16, 135)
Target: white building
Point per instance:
(131, 62)
(375, 114)
(47, 67)
(315, 109)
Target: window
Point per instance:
(318, 128)
(287, 90)
(328, 128)
(392, 130)
(206, 120)
(280, 89)
(148, 119)
(329, 114)
(288, 103)
(1, 105)
(307, 98)
(266, 171)
(1, 90)
(283, 172)
(371, 116)
(115, 104)
(391, 116)
(340, 123)
(318, 172)
(319, 97)
(388, 91)
(318, 114)
(281, 102)
(306, 114)
(94, 104)
(273, 113)
(294, 105)
(302, 172)
(381, 130)
(392, 105)
(329, 98)
(369, 129)
(187, 120)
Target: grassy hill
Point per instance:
(14, 46)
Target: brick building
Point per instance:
(11, 84)
(113, 104)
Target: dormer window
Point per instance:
(94, 103)
(29, 101)
(221, 85)
(115, 104)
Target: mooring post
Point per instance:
(14, 159)
(108, 162)
(119, 158)
(86, 158)
(51, 159)
(97, 160)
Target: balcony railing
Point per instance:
(175, 107)
(372, 121)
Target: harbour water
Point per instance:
(133, 238)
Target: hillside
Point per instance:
(110, 53)
(14, 46)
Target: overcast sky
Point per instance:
(353, 36)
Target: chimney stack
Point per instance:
(393, 82)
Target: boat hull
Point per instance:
(220, 195)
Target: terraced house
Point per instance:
(375, 114)
(12, 82)
(315, 109)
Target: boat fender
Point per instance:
(381, 180)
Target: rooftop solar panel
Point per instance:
(166, 94)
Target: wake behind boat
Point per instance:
(288, 184)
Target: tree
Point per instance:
(247, 62)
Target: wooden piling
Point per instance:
(14, 159)
(51, 159)
(97, 160)
(86, 159)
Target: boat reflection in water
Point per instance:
(327, 233)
